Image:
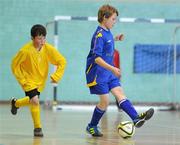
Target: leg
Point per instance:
(129, 109)
(15, 104)
(117, 104)
(35, 113)
(104, 101)
(124, 104)
(97, 115)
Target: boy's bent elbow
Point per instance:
(64, 62)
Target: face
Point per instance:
(39, 41)
(109, 22)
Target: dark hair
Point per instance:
(106, 11)
(38, 30)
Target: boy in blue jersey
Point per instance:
(101, 75)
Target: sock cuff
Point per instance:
(123, 100)
(99, 110)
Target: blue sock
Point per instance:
(126, 106)
(97, 114)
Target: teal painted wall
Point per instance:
(17, 17)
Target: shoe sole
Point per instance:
(150, 113)
(12, 110)
(94, 135)
(38, 135)
(13, 113)
(139, 123)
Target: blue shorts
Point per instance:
(104, 88)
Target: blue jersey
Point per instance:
(102, 45)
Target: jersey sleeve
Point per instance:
(98, 45)
(57, 59)
(16, 66)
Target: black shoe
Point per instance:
(13, 107)
(38, 132)
(94, 131)
(143, 117)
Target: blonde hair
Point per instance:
(106, 11)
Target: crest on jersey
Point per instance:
(99, 35)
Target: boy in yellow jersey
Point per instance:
(30, 67)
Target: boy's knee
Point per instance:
(35, 100)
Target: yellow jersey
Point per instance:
(30, 66)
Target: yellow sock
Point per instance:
(22, 102)
(35, 112)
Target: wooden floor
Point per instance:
(67, 127)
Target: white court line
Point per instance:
(111, 108)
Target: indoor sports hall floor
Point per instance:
(67, 127)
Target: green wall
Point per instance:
(17, 17)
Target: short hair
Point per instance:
(106, 11)
(38, 30)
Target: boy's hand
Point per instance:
(53, 81)
(119, 37)
(117, 72)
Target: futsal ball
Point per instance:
(126, 129)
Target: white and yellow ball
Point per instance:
(126, 129)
